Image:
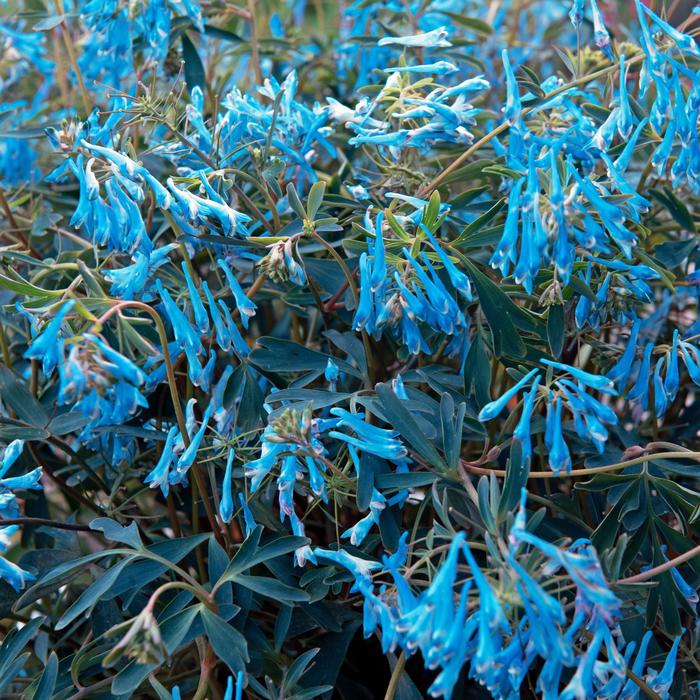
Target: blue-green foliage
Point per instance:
(323, 322)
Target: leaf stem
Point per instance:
(590, 471)
(395, 677)
(661, 568)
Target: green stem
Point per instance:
(395, 677)
(666, 566)
(592, 470)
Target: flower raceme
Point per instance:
(590, 415)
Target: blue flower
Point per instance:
(360, 530)
(522, 430)
(13, 574)
(438, 68)
(159, 476)
(594, 381)
(200, 315)
(512, 107)
(376, 441)
(48, 346)
(492, 410)
(226, 502)
(248, 518)
(559, 456)
(245, 306)
(600, 33)
(188, 457)
(428, 40)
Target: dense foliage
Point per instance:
(349, 349)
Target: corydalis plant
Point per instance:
(317, 318)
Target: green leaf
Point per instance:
(452, 423)
(130, 678)
(402, 420)
(479, 223)
(316, 398)
(389, 480)
(517, 472)
(55, 577)
(27, 289)
(224, 34)
(14, 430)
(250, 554)
(17, 396)
(497, 308)
(272, 588)
(48, 23)
(478, 25)
(227, 642)
(195, 75)
(315, 199)
(295, 202)
(556, 329)
(118, 533)
(278, 355)
(47, 683)
(13, 642)
(91, 594)
(675, 206)
(477, 371)
(67, 423)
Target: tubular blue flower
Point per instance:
(492, 409)
(226, 502)
(594, 381)
(504, 254)
(245, 306)
(13, 574)
(576, 13)
(438, 68)
(623, 160)
(378, 441)
(459, 280)
(30, 480)
(223, 335)
(10, 455)
(427, 40)
(691, 361)
(190, 454)
(122, 366)
(600, 33)
(360, 530)
(640, 390)
(240, 347)
(364, 311)
(248, 518)
(358, 567)
(671, 381)
(512, 107)
(200, 315)
(559, 457)
(185, 334)
(661, 399)
(522, 430)
(661, 683)
(620, 372)
(47, 346)
(684, 42)
(160, 473)
(625, 123)
(331, 373)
